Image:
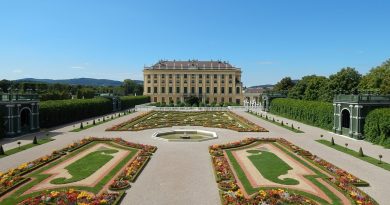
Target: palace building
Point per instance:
(210, 81)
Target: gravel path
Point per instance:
(181, 172)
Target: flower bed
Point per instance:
(72, 197)
(13, 178)
(232, 195)
(161, 119)
(266, 197)
(119, 184)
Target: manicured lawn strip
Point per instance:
(99, 123)
(250, 190)
(86, 166)
(275, 167)
(371, 160)
(26, 146)
(16, 197)
(319, 174)
(277, 123)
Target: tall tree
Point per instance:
(345, 81)
(377, 80)
(284, 85)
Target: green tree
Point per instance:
(308, 88)
(284, 85)
(377, 80)
(345, 81)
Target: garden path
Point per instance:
(181, 173)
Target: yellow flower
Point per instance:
(103, 201)
(239, 193)
(262, 193)
(54, 193)
(71, 191)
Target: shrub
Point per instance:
(35, 141)
(131, 101)
(332, 141)
(315, 113)
(2, 150)
(81, 126)
(361, 154)
(377, 127)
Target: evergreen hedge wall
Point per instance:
(131, 101)
(316, 113)
(377, 127)
(2, 128)
(57, 112)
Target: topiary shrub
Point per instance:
(1, 150)
(332, 141)
(35, 141)
(361, 154)
(81, 126)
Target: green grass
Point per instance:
(99, 122)
(275, 167)
(277, 123)
(86, 166)
(25, 147)
(371, 160)
(313, 178)
(38, 177)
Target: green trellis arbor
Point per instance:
(20, 113)
(350, 112)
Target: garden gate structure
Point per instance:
(20, 113)
(350, 112)
(266, 99)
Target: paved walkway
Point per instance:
(181, 172)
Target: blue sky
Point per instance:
(115, 39)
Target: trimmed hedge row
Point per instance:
(377, 127)
(319, 114)
(131, 101)
(2, 128)
(57, 112)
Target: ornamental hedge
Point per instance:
(57, 112)
(377, 127)
(2, 128)
(316, 113)
(131, 101)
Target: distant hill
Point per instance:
(79, 81)
(262, 86)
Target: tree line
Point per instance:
(47, 91)
(347, 81)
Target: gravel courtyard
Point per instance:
(181, 172)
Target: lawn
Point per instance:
(161, 119)
(26, 146)
(371, 160)
(79, 170)
(86, 166)
(275, 168)
(270, 160)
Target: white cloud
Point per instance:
(78, 67)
